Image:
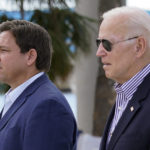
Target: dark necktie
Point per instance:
(1, 113)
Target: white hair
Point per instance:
(135, 18)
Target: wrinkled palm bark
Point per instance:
(104, 94)
(22, 8)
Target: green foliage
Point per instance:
(63, 24)
(55, 3)
(4, 18)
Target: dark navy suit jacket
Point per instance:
(133, 129)
(40, 119)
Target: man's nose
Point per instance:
(101, 51)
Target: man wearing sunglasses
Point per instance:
(124, 48)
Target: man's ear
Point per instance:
(140, 46)
(31, 57)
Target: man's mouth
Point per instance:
(106, 65)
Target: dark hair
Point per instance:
(30, 35)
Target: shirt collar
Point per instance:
(12, 95)
(129, 87)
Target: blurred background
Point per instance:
(73, 26)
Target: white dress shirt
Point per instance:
(12, 95)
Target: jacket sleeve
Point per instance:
(50, 127)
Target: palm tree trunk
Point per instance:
(86, 70)
(22, 8)
(49, 2)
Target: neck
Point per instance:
(20, 80)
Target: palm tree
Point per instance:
(21, 6)
(53, 3)
(67, 29)
(20, 3)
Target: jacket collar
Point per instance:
(131, 110)
(22, 99)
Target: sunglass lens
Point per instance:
(98, 42)
(107, 45)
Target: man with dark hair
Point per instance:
(36, 116)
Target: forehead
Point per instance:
(6, 37)
(113, 27)
(7, 40)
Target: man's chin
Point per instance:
(107, 75)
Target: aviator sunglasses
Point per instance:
(108, 45)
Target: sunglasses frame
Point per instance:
(108, 45)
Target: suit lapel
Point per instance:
(124, 121)
(130, 112)
(106, 130)
(22, 99)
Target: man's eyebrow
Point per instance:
(4, 47)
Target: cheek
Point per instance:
(9, 62)
(123, 58)
(125, 65)
(117, 61)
